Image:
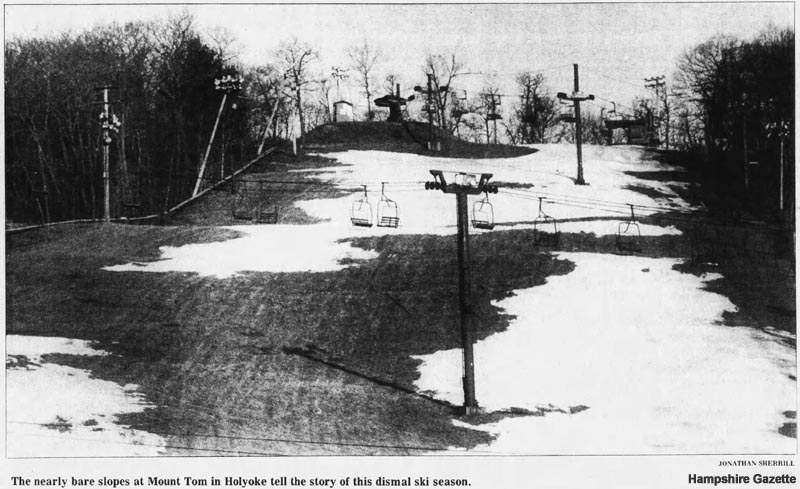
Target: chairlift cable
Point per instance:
(691, 218)
(602, 202)
(590, 70)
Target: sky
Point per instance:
(615, 45)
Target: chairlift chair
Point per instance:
(483, 213)
(545, 229)
(266, 213)
(629, 236)
(388, 212)
(361, 211)
(242, 205)
(566, 112)
(132, 208)
(263, 211)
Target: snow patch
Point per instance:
(642, 346)
(274, 248)
(59, 411)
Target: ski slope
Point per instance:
(631, 339)
(318, 247)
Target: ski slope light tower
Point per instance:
(227, 84)
(659, 86)
(108, 123)
(463, 184)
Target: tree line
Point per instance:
(736, 106)
(731, 100)
(163, 74)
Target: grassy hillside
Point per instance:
(267, 362)
(405, 137)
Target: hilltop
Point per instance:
(402, 137)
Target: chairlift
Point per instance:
(243, 204)
(629, 236)
(132, 208)
(483, 213)
(545, 229)
(361, 211)
(566, 112)
(242, 208)
(388, 212)
(266, 213)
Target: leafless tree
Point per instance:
(390, 81)
(363, 58)
(536, 111)
(295, 57)
(442, 70)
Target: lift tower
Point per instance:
(464, 184)
(577, 97)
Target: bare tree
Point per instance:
(265, 87)
(295, 57)
(442, 70)
(390, 81)
(362, 59)
(536, 110)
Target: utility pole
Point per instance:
(227, 84)
(659, 86)
(464, 184)
(429, 101)
(577, 97)
(780, 130)
(109, 123)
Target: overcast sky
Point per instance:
(615, 45)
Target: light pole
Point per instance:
(109, 123)
(226, 84)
